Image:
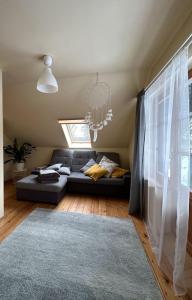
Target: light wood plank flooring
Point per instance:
(17, 211)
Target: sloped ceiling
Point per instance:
(118, 38)
(32, 116)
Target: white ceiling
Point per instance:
(85, 36)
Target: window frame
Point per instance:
(67, 134)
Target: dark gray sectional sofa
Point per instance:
(29, 189)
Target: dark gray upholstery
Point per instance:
(111, 155)
(87, 154)
(80, 177)
(29, 189)
(63, 156)
(40, 196)
(30, 183)
(80, 158)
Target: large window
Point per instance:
(77, 133)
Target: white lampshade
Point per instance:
(47, 82)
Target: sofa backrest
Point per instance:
(63, 156)
(76, 159)
(111, 155)
(80, 158)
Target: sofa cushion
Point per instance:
(89, 164)
(63, 156)
(51, 174)
(79, 177)
(108, 164)
(80, 158)
(110, 155)
(30, 183)
(64, 171)
(96, 172)
(84, 154)
(55, 167)
(119, 172)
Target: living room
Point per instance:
(91, 149)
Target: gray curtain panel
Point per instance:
(136, 203)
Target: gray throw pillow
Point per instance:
(88, 165)
(55, 167)
(64, 171)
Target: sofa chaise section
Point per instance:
(29, 189)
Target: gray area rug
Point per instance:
(57, 255)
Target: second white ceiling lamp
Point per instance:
(47, 82)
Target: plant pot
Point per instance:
(20, 166)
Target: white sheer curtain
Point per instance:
(166, 167)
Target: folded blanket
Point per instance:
(36, 170)
(48, 174)
(53, 180)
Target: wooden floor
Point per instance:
(17, 211)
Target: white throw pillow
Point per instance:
(64, 171)
(55, 167)
(108, 164)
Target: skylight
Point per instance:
(77, 133)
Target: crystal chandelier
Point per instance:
(100, 110)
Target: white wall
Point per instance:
(132, 137)
(9, 166)
(1, 150)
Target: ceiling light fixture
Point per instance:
(47, 82)
(99, 107)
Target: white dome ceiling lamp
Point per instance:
(100, 107)
(47, 82)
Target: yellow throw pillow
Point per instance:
(119, 172)
(96, 172)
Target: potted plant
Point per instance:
(18, 154)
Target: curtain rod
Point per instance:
(187, 43)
